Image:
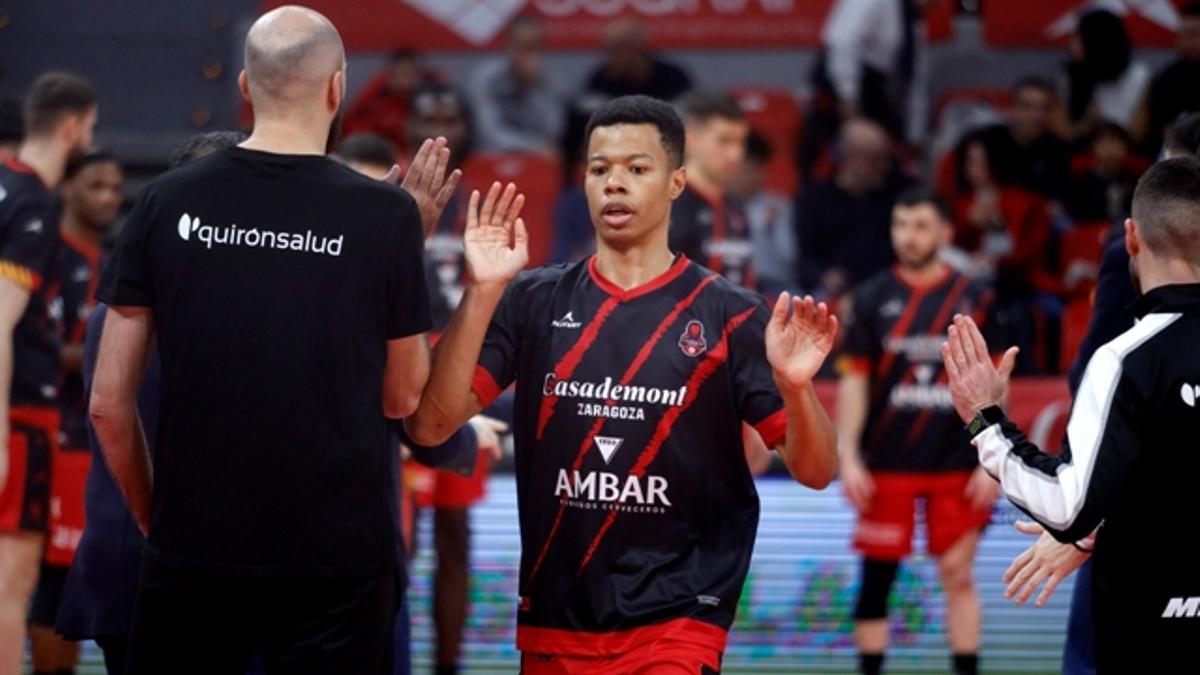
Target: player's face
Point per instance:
(95, 193)
(918, 233)
(630, 183)
(717, 148)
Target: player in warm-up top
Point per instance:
(635, 370)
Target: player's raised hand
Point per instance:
(975, 382)
(495, 241)
(799, 336)
(427, 181)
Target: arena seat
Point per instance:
(778, 116)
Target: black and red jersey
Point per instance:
(638, 512)
(894, 333)
(28, 241)
(77, 273)
(715, 234)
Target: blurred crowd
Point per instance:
(797, 194)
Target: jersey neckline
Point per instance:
(947, 273)
(625, 295)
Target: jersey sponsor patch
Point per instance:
(692, 341)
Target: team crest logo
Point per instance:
(692, 342)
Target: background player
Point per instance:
(91, 199)
(900, 439)
(707, 225)
(60, 113)
(635, 370)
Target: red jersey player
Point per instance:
(635, 370)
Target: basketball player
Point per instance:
(60, 113)
(91, 198)
(634, 372)
(900, 439)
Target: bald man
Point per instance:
(286, 295)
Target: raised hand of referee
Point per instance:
(799, 337)
(427, 181)
(495, 241)
(975, 382)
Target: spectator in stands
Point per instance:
(12, 128)
(871, 63)
(383, 104)
(1103, 180)
(706, 225)
(770, 215)
(1103, 82)
(517, 107)
(1183, 139)
(1027, 150)
(630, 66)
(844, 224)
(1174, 90)
(367, 153)
(1004, 229)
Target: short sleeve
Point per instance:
(756, 396)
(28, 249)
(407, 295)
(128, 279)
(498, 358)
(861, 344)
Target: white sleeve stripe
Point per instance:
(1057, 499)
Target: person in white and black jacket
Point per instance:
(1123, 485)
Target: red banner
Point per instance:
(1039, 406)
(1040, 23)
(446, 25)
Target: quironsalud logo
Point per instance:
(232, 235)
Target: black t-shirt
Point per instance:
(78, 273)
(28, 243)
(275, 282)
(636, 505)
(1173, 92)
(839, 230)
(714, 234)
(894, 335)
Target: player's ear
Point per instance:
(678, 182)
(1133, 237)
(244, 86)
(337, 90)
(68, 129)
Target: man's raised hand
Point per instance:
(975, 382)
(427, 181)
(496, 243)
(799, 336)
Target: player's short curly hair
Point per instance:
(643, 110)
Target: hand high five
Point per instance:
(798, 344)
(427, 181)
(975, 382)
(496, 243)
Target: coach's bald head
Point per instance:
(295, 65)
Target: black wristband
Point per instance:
(984, 419)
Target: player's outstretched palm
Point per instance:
(496, 243)
(799, 337)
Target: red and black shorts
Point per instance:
(675, 647)
(69, 470)
(32, 445)
(442, 489)
(885, 531)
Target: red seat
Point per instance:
(996, 97)
(778, 116)
(1080, 252)
(537, 176)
